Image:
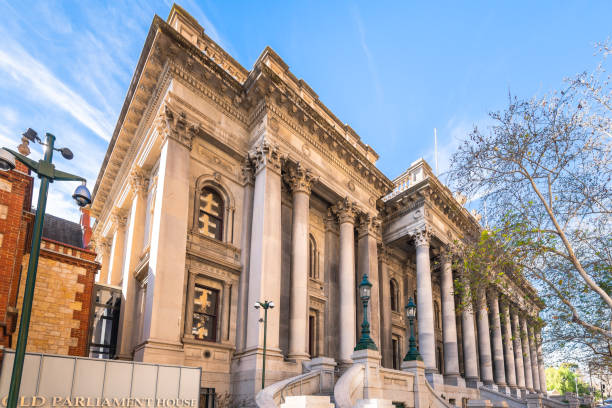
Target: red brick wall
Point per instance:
(15, 227)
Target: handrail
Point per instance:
(267, 397)
(512, 401)
(438, 398)
(551, 403)
(347, 385)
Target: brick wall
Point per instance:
(15, 227)
(62, 298)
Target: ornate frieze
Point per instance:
(300, 179)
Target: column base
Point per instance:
(473, 382)
(490, 385)
(297, 357)
(515, 391)
(454, 379)
(503, 388)
(434, 378)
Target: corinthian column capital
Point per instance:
(171, 125)
(422, 237)
(368, 225)
(300, 179)
(119, 217)
(138, 180)
(346, 211)
(266, 155)
(247, 171)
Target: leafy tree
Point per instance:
(544, 171)
(563, 379)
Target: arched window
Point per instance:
(210, 218)
(437, 315)
(313, 259)
(394, 295)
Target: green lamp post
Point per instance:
(265, 305)
(413, 352)
(365, 291)
(47, 173)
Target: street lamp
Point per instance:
(265, 305)
(365, 291)
(47, 173)
(413, 352)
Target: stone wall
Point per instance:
(15, 221)
(62, 299)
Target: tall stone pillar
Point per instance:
(449, 323)
(425, 315)
(301, 183)
(133, 250)
(541, 368)
(265, 260)
(386, 346)
(332, 306)
(248, 179)
(484, 340)
(470, 357)
(526, 355)
(346, 217)
(103, 247)
(518, 350)
(163, 325)
(118, 218)
(534, 359)
(367, 258)
(508, 349)
(497, 346)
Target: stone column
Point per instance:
(518, 350)
(346, 217)
(332, 306)
(265, 260)
(508, 349)
(103, 246)
(526, 355)
(484, 340)
(134, 242)
(449, 323)
(385, 313)
(497, 346)
(118, 218)
(367, 258)
(470, 357)
(425, 315)
(248, 178)
(534, 359)
(541, 367)
(163, 325)
(301, 183)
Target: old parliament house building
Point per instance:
(223, 186)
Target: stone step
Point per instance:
(307, 401)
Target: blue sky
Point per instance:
(392, 70)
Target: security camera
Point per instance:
(256, 305)
(7, 160)
(271, 305)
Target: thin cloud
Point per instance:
(370, 59)
(42, 85)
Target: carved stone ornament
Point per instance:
(300, 179)
(248, 172)
(138, 181)
(329, 220)
(346, 211)
(369, 225)
(119, 217)
(446, 254)
(422, 237)
(175, 126)
(267, 155)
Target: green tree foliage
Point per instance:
(563, 379)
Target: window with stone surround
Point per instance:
(205, 313)
(313, 258)
(211, 212)
(394, 292)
